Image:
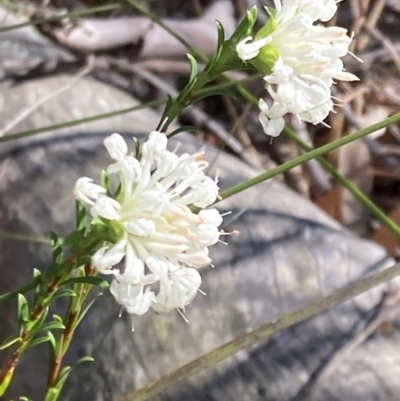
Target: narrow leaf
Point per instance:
(83, 313)
(56, 246)
(23, 309)
(9, 341)
(65, 292)
(84, 359)
(80, 216)
(216, 92)
(52, 341)
(52, 326)
(37, 341)
(184, 128)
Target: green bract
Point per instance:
(268, 54)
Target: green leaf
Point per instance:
(269, 26)
(56, 247)
(52, 326)
(192, 79)
(34, 326)
(80, 216)
(105, 182)
(37, 279)
(63, 292)
(83, 313)
(23, 309)
(194, 70)
(52, 394)
(84, 359)
(184, 128)
(245, 27)
(57, 318)
(87, 280)
(137, 148)
(216, 92)
(52, 341)
(9, 341)
(37, 341)
(221, 38)
(74, 238)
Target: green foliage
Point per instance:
(23, 311)
(105, 182)
(57, 248)
(9, 341)
(184, 128)
(81, 219)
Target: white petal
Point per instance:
(105, 258)
(141, 227)
(275, 127)
(116, 146)
(86, 191)
(211, 216)
(106, 207)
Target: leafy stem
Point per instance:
(31, 322)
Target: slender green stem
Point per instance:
(72, 14)
(262, 333)
(23, 237)
(308, 156)
(36, 131)
(353, 189)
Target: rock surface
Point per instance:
(288, 252)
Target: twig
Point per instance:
(386, 43)
(370, 21)
(32, 108)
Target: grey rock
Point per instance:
(288, 252)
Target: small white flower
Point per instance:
(86, 191)
(163, 241)
(246, 49)
(308, 61)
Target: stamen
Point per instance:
(183, 316)
(177, 147)
(226, 213)
(120, 312)
(201, 292)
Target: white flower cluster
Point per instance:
(163, 241)
(308, 61)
